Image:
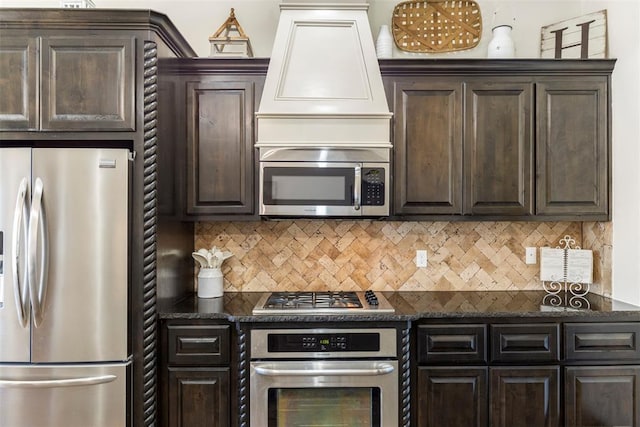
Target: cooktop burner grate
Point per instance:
(325, 302)
(283, 300)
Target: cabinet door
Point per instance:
(198, 397)
(428, 146)
(18, 83)
(602, 396)
(498, 152)
(220, 137)
(452, 397)
(87, 83)
(523, 396)
(572, 146)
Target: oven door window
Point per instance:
(303, 186)
(324, 407)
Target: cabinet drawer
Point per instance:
(198, 344)
(452, 343)
(602, 341)
(525, 342)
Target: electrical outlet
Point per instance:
(421, 258)
(530, 255)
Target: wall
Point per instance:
(198, 19)
(624, 34)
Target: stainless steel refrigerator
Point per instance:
(64, 254)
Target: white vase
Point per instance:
(210, 283)
(384, 43)
(501, 45)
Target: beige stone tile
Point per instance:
(332, 254)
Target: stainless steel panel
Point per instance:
(328, 154)
(260, 349)
(85, 292)
(381, 374)
(64, 396)
(15, 166)
(313, 210)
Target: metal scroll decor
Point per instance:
(566, 293)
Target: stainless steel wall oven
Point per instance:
(324, 377)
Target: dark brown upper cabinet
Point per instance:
(498, 149)
(572, 146)
(463, 147)
(501, 140)
(18, 83)
(428, 146)
(220, 137)
(70, 83)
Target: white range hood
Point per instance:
(323, 87)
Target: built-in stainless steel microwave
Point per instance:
(324, 182)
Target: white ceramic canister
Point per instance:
(210, 283)
(501, 45)
(384, 43)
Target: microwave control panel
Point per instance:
(373, 186)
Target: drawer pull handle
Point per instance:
(522, 342)
(211, 345)
(452, 343)
(623, 341)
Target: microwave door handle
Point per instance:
(20, 287)
(357, 188)
(38, 228)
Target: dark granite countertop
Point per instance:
(237, 306)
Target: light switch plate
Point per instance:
(421, 258)
(530, 255)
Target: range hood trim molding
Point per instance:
(345, 116)
(325, 154)
(322, 145)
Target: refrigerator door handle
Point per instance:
(67, 382)
(38, 228)
(20, 285)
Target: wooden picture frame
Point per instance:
(581, 37)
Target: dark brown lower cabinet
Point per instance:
(198, 397)
(525, 396)
(195, 373)
(512, 397)
(602, 396)
(452, 397)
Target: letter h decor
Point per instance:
(581, 37)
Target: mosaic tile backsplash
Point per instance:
(380, 255)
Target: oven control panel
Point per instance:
(323, 342)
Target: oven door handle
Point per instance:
(382, 369)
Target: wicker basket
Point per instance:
(436, 26)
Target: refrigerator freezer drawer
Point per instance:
(64, 396)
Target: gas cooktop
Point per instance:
(330, 302)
